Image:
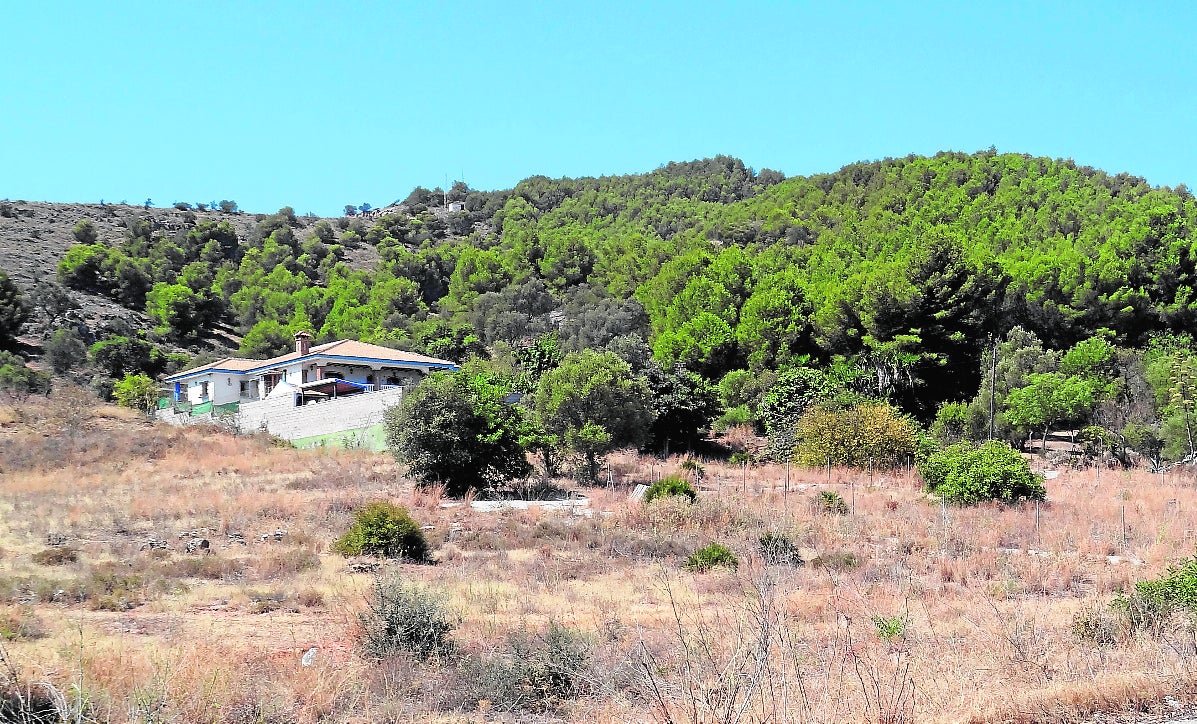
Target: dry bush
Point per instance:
(55, 556)
(284, 563)
(21, 623)
(214, 567)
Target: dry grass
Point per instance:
(984, 596)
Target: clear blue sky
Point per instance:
(314, 106)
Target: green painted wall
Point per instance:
(368, 438)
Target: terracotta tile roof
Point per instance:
(353, 348)
(234, 364)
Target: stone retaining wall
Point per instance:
(280, 416)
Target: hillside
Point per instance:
(34, 236)
(890, 279)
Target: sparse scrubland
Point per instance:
(890, 608)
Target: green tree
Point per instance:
(177, 309)
(53, 301)
(682, 403)
(139, 392)
(458, 430)
(65, 351)
(592, 404)
(13, 311)
(1052, 398)
(119, 355)
(266, 339)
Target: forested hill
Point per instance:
(903, 268)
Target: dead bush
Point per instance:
(288, 562)
(21, 624)
(56, 556)
(214, 568)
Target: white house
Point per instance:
(349, 382)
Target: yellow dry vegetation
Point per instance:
(978, 604)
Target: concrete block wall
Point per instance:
(280, 416)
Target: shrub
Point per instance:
(14, 310)
(966, 474)
(866, 433)
(742, 457)
(1096, 625)
(20, 624)
(1152, 603)
(213, 568)
(287, 562)
(110, 590)
(668, 487)
(715, 554)
(831, 502)
(777, 548)
(56, 556)
(890, 628)
(84, 232)
(733, 417)
(839, 561)
(20, 381)
(311, 598)
(385, 530)
(538, 673)
(405, 617)
(65, 350)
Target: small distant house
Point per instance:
(456, 206)
(331, 393)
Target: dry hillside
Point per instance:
(35, 235)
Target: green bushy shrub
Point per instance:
(1151, 604)
(963, 473)
(403, 617)
(385, 530)
(831, 502)
(712, 556)
(671, 486)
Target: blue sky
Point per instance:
(314, 106)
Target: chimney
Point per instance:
(303, 342)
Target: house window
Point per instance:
(334, 375)
(203, 390)
(244, 387)
(304, 375)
